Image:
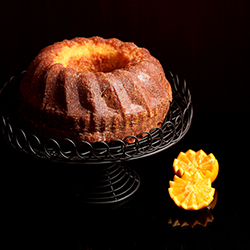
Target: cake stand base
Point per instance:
(106, 184)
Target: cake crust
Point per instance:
(94, 89)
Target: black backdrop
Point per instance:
(206, 42)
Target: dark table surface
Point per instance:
(40, 208)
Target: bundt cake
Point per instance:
(94, 89)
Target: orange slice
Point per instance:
(191, 192)
(192, 162)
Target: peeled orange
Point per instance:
(191, 191)
(192, 162)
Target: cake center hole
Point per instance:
(99, 63)
(92, 58)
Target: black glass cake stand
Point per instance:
(111, 181)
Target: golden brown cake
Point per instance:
(94, 89)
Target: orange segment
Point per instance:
(192, 162)
(191, 192)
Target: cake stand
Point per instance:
(109, 181)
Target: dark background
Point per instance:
(206, 42)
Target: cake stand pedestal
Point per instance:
(109, 181)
